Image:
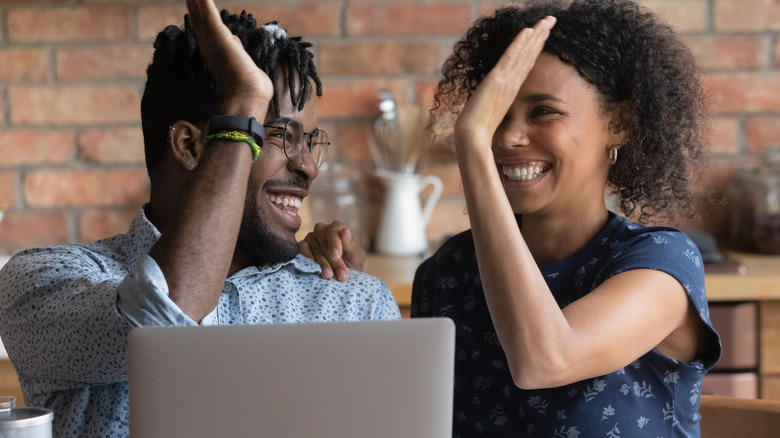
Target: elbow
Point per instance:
(540, 374)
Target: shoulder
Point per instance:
(310, 270)
(58, 264)
(659, 248)
(656, 244)
(454, 251)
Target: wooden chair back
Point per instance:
(731, 417)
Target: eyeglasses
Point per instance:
(291, 137)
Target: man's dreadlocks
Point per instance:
(179, 87)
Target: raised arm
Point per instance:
(197, 245)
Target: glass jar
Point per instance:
(338, 194)
(741, 198)
(767, 222)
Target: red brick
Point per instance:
(99, 224)
(20, 64)
(308, 20)
(406, 19)
(68, 24)
(36, 147)
(762, 132)
(353, 143)
(355, 97)
(123, 61)
(746, 15)
(732, 52)
(153, 19)
(7, 196)
(424, 91)
(126, 187)
(82, 104)
(133, 2)
(724, 136)
(385, 58)
(112, 145)
(682, 15)
(776, 53)
(713, 178)
(22, 230)
(748, 92)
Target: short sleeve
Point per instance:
(672, 252)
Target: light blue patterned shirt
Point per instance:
(65, 313)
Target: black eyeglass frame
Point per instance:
(318, 161)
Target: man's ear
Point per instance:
(184, 140)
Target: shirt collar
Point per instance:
(140, 238)
(299, 263)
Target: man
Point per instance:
(214, 245)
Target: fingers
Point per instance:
(325, 246)
(526, 47)
(490, 102)
(246, 90)
(206, 20)
(353, 254)
(309, 247)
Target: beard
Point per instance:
(266, 247)
(256, 238)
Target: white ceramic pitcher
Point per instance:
(402, 225)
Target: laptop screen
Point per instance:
(343, 379)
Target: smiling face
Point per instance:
(277, 186)
(552, 147)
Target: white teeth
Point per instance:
(285, 201)
(522, 173)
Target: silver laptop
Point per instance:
(345, 379)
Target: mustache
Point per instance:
(295, 181)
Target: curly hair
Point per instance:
(179, 87)
(633, 60)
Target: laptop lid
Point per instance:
(343, 379)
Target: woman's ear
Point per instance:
(184, 140)
(618, 125)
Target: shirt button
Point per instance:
(226, 288)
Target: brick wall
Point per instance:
(72, 73)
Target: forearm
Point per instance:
(529, 323)
(196, 248)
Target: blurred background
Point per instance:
(72, 74)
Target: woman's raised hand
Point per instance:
(490, 102)
(244, 87)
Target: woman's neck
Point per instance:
(553, 237)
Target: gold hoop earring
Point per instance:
(613, 155)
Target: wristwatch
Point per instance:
(237, 123)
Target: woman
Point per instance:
(571, 320)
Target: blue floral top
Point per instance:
(655, 396)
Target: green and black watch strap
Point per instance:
(237, 123)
